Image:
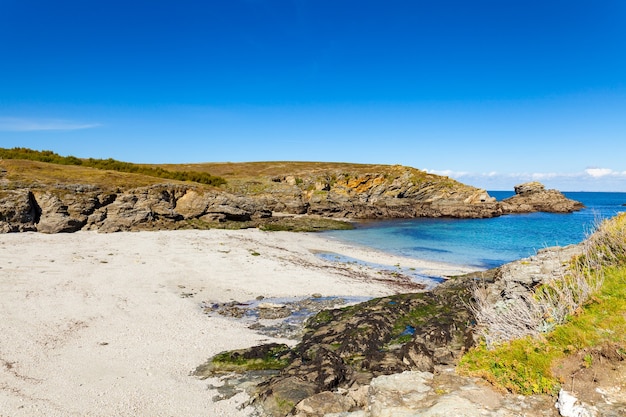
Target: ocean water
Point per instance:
(486, 243)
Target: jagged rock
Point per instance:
(224, 212)
(518, 277)
(398, 192)
(55, 216)
(346, 348)
(18, 211)
(533, 196)
(529, 188)
(416, 356)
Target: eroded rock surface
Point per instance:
(395, 356)
(399, 194)
(343, 349)
(533, 196)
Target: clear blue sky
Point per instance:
(492, 93)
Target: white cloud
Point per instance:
(15, 124)
(448, 173)
(602, 172)
(591, 179)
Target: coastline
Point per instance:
(112, 324)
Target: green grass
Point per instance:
(525, 365)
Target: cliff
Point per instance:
(49, 198)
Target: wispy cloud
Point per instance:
(535, 176)
(588, 179)
(16, 124)
(604, 172)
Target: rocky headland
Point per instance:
(42, 197)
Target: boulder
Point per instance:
(322, 404)
(192, 204)
(399, 394)
(529, 188)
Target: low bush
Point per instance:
(112, 165)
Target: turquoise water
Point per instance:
(485, 243)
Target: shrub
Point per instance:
(112, 165)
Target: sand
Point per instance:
(112, 325)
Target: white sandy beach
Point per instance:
(96, 325)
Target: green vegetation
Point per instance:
(270, 357)
(304, 224)
(525, 365)
(110, 165)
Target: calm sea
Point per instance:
(486, 243)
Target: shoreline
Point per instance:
(112, 324)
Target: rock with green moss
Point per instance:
(347, 347)
(272, 356)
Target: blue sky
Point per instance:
(492, 93)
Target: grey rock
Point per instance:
(273, 311)
(18, 211)
(55, 216)
(533, 196)
(322, 404)
(399, 394)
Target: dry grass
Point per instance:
(240, 170)
(23, 173)
(552, 302)
(585, 308)
(241, 176)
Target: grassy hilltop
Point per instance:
(31, 167)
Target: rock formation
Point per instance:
(343, 349)
(532, 196)
(390, 192)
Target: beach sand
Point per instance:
(112, 325)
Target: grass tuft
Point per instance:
(594, 316)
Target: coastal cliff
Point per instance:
(44, 197)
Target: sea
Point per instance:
(486, 243)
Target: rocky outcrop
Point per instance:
(394, 192)
(18, 211)
(533, 196)
(343, 349)
(519, 277)
(401, 193)
(163, 206)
